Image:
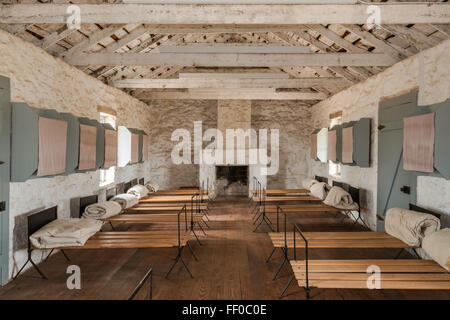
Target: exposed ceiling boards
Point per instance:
(258, 49)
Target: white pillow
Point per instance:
(320, 190)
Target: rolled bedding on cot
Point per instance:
(341, 199)
(152, 187)
(102, 210)
(437, 246)
(410, 226)
(65, 233)
(320, 190)
(126, 200)
(138, 190)
(308, 183)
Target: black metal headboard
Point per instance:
(142, 181)
(134, 182)
(321, 179)
(40, 219)
(85, 201)
(413, 207)
(126, 186)
(338, 184)
(354, 193)
(110, 193)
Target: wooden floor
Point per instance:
(232, 266)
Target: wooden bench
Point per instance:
(163, 207)
(354, 274)
(331, 240)
(303, 208)
(169, 217)
(180, 192)
(115, 239)
(133, 240)
(166, 199)
(317, 207)
(274, 192)
(261, 203)
(288, 198)
(338, 240)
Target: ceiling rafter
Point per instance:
(343, 43)
(321, 47)
(397, 41)
(294, 71)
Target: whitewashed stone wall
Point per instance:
(430, 72)
(170, 115)
(293, 121)
(45, 82)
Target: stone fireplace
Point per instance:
(232, 180)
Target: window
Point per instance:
(334, 169)
(107, 175)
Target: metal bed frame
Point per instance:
(354, 192)
(261, 203)
(297, 229)
(40, 219)
(86, 201)
(148, 276)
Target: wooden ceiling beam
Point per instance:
(391, 13)
(226, 83)
(232, 60)
(234, 94)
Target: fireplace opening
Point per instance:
(232, 180)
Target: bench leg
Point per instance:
(200, 226)
(287, 287)
(30, 259)
(65, 255)
(308, 293)
(280, 267)
(192, 251)
(257, 216)
(270, 255)
(150, 289)
(179, 258)
(356, 220)
(185, 266)
(255, 210)
(206, 224)
(398, 254)
(112, 226)
(415, 252)
(267, 221)
(198, 240)
(48, 256)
